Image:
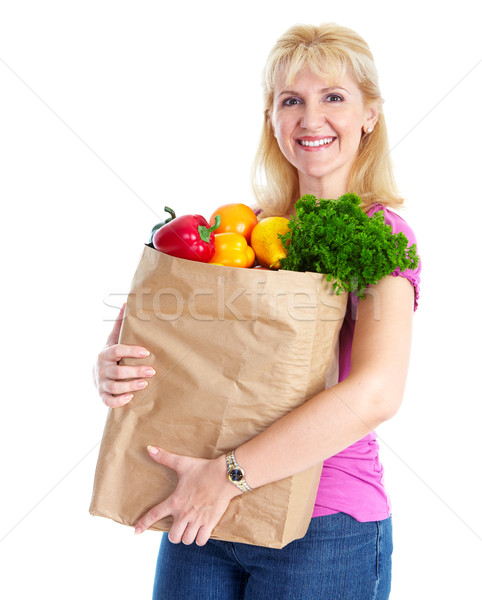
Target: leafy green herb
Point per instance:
(337, 238)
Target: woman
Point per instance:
(324, 134)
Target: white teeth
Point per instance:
(316, 142)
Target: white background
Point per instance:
(112, 109)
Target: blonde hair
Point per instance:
(326, 49)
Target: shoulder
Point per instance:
(399, 225)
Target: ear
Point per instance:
(269, 121)
(371, 118)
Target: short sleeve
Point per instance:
(398, 225)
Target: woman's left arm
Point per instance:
(321, 427)
(338, 417)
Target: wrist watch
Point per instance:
(236, 473)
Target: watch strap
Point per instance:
(236, 473)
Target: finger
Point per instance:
(116, 388)
(163, 457)
(176, 533)
(203, 535)
(158, 512)
(119, 372)
(190, 533)
(118, 351)
(116, 401)
(114, 334)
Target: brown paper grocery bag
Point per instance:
(234, 350)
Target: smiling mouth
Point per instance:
(315, 143)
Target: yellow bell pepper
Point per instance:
(232, 250)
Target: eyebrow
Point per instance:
(323, 91)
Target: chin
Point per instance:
(320, 172)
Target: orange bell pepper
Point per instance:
(235, 218)
(232, 250)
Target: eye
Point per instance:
(291, 102)
(334, 98)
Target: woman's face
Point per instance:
(318, 125)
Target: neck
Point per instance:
(322, 187)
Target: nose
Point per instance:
(313, 117)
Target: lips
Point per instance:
(315, 143)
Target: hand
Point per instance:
(199, 501)
(109, 376)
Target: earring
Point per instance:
(369, 130)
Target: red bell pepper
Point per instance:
(188, 236)
(172, 215)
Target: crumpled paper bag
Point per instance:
(234, 350)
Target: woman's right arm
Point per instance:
(115, 383)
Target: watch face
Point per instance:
(236, 475)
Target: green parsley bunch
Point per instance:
(337, 238)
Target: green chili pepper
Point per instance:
(159, 225)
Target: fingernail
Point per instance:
(143, 353)
(127, 398)
(141, 384)
(137, 531)
(152, 450)
(149, 372)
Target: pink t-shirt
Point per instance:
(352, 480)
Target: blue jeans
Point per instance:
(338, 559)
